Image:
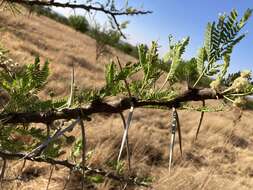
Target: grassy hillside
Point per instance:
(221, 158)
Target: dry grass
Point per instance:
(220, 159)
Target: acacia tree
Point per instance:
(25, 107)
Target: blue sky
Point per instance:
(185, 18)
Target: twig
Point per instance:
(130, 180)
(50, 139)
(3, 170)
(112, 13)
(21, 170)
(65, 185)
(50, 176)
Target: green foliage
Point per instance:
(127, 48)
(110, 37)
(95, 179)
(77, 148)
(144, 79)
(25, 139)
(79, 23)
(86, 95)
(102, 35)
(24, 85)
(7, 142)
(117, 166)
(103, 38)
(249, 105)
(113, 85)
(187, 71)
(174, 55)
(149, 61)
(220, 39)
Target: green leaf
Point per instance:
(110, 73)
(201, 58)
(77, 148)
(96, 179)
(175, 57)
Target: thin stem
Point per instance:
(3, 170)
(242, 94)
(92, 171)
(126, 83)
(202, 74)
(107, 11)
(164, 83)
(58, 133)
(229, 99)
(21, 169)
(65, 185)
(50, 176)
(84, 151)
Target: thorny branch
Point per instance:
(113, 13)
(66, 163)
(109, 108)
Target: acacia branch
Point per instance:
(108, 108)
(113, 13)
(66, 163)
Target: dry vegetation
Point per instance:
(220, 159)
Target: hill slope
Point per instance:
(220, 159)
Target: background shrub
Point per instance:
(79, 23)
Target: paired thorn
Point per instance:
(179, 133)
(71, 95)
(126, 124)
(125, 135)
(200, 120)
(174, 128)
(172, 141)
(127, 143)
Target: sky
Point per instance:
(183, 18)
